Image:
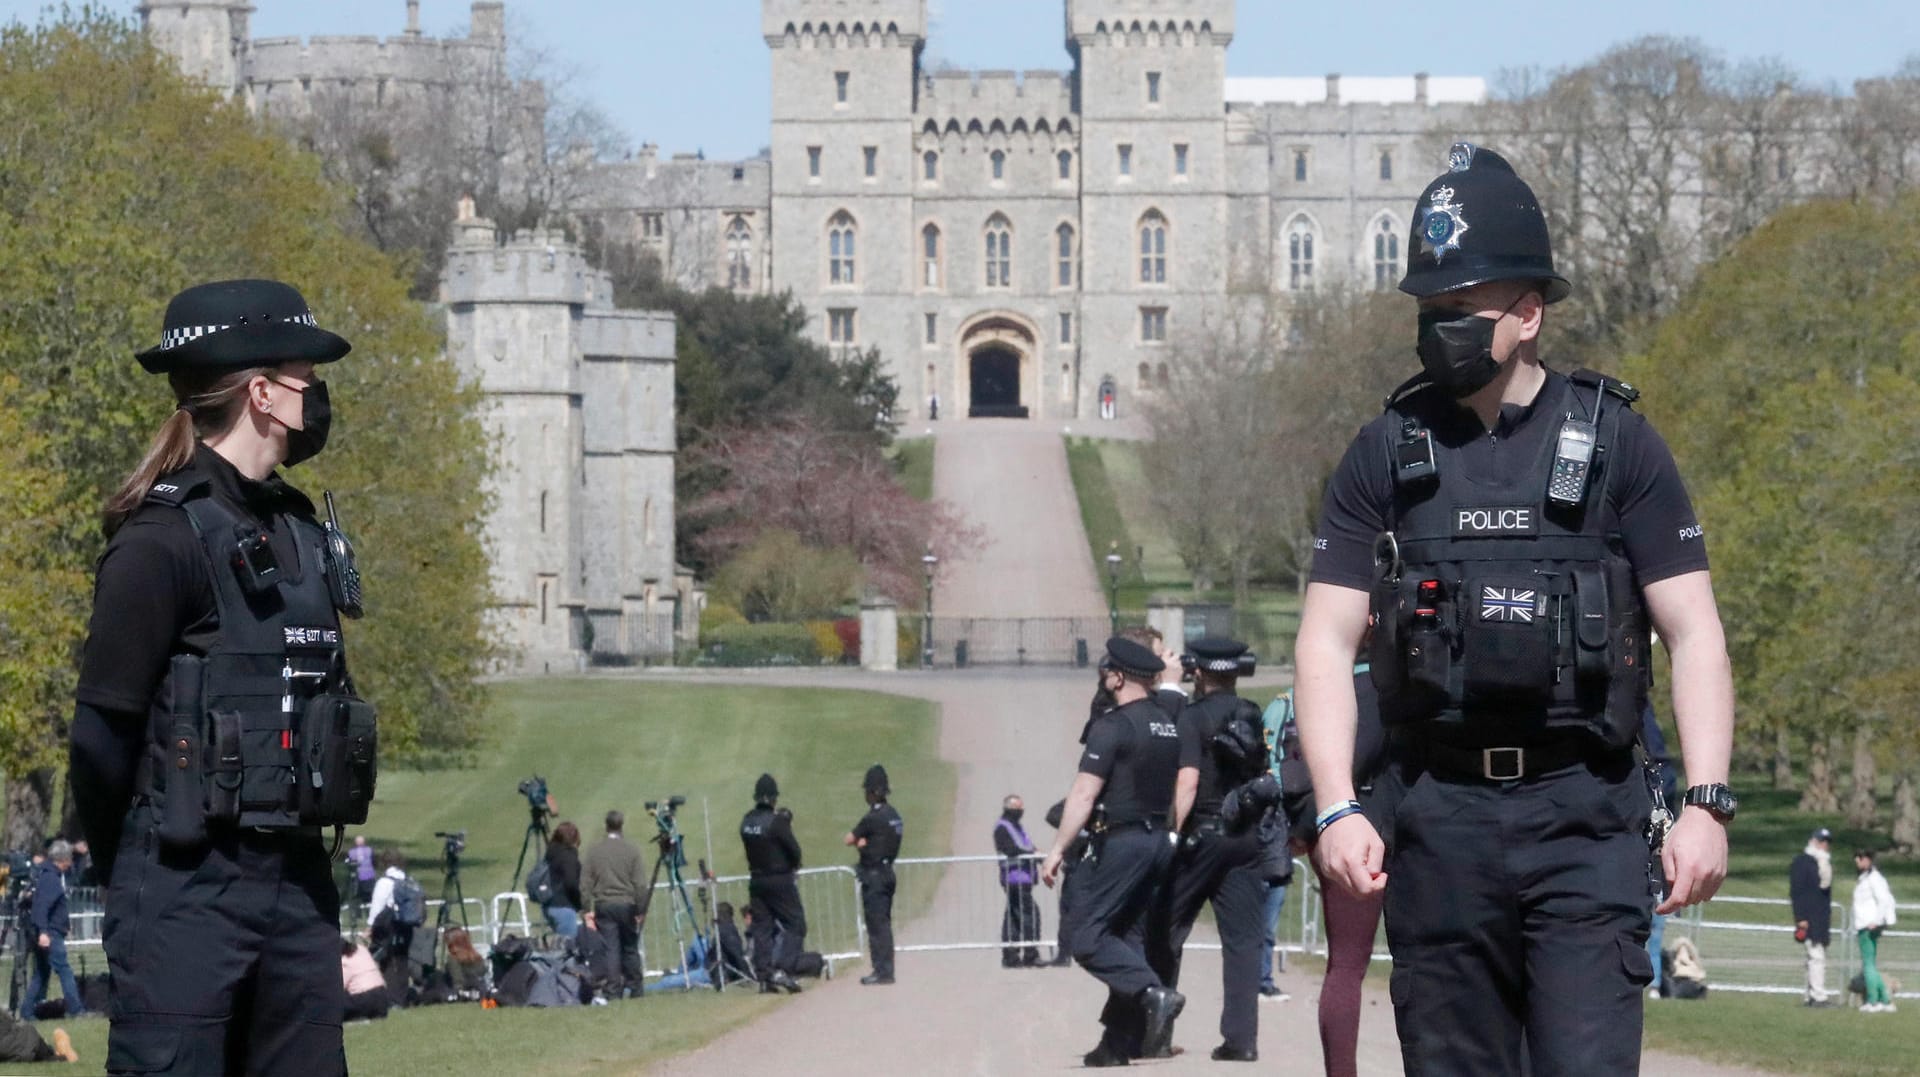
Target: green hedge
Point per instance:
(758, 645)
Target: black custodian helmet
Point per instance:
(1479, 222)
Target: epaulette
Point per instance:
(1416, 384)
(178, 487)
(1614, 386)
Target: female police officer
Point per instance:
(216, 730)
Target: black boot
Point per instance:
(877, 978)
(785, 982)
(1225, 1053)
(1162, 1005)
(1103, 1056)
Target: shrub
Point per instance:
(827, 642)
(759, 645)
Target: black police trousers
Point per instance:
(1223, 869)
(1518, 912)
(774, 901)
(876, 904)
(1069, 907)
(1111, 908)
(225, 959)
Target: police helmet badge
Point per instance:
(1442, 224)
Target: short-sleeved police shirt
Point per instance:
(881, 829)
(1646, 501)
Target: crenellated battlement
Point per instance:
(362, 58)
(535, 265)
(1151, 22)
(990, 101)
(844, 23)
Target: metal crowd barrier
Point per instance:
(829, 896)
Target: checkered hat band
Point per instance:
(174, 338)
(1220, 665)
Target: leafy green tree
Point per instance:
(778, 577)
(1788, 384)
(120, 184)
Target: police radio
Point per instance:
(1572, 462)
(343, 576)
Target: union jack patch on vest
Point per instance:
(1507, 604)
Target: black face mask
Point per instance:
(1457, 351)
(1103, 700)
(316, 411)
(1013, 814)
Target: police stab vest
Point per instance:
(264, 730)
(1502, 615)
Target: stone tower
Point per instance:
(580, 407)
(844, 95)
(206, 37)
(1151, 77)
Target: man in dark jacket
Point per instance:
(1810, 884)
(773, 855)
(613, 883)
(49, 927)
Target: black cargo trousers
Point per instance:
(1520, 911)
(226, 958)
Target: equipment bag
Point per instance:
(540, 889)
(409, 903)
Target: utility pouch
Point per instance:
(1428, 642)
(1507, 640)
(1391, 615)
(337, 760)
(224, 771)
(1592, 664)
(183, 823)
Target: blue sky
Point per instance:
(693, 76)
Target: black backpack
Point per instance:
(540, 889)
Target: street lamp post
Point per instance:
(930, 563)
(1113, 587)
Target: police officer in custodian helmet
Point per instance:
(216, 730)
(1516, 535)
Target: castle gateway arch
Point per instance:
(999, 366)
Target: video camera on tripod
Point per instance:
(667, 828)
(539, 801)
(456, 843)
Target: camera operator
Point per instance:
(614, 883)
(563, 866)
(391, 931)
(773, 855)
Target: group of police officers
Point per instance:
(1509, 538)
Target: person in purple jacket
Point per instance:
(1022, 921)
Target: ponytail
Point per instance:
(206, 408)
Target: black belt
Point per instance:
(1506, 764)
(1157, 821)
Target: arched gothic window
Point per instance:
(999, 160)
(930, 166)
(999, 252)
(1065, 158)
(930, 255)
(1386, 255)
(739, 255)
(1153, 248)
(1064, 255)
(840, 240)
(1300, 255)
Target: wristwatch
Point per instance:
(1717, 799)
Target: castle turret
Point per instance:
(207, 38)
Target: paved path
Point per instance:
(1010, 478)
(1012, 731)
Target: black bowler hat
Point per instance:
(876, 781)
(766, 789)
(1217, 655)
(1479, 222)
(235, 324)
(1132, 658)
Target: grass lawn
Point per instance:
(1777, 1034)
(614, 743)
(913, 461)
(467, 1041)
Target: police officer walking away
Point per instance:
(1516, 534)
(216, 730)
(1128, 767)
(1222, 747)
(877, 835)
(773, 855)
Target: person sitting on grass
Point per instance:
(366, 986)
(466, 969)
(20, 1042)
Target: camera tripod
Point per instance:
(451, 897)
(671, 860)
(536, 827)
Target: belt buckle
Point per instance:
(1491, 770)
